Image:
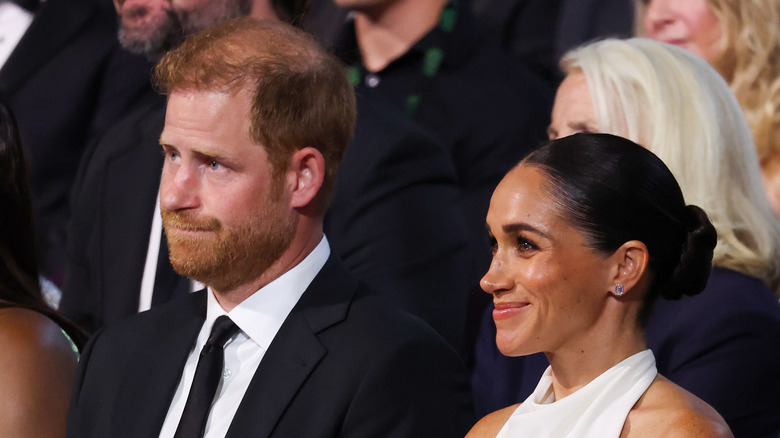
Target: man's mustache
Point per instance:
(186, 220)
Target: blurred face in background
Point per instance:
(152, 27)
(148, 27)
(573, 110)
(689, 24)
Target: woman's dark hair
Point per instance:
(613, 190)
(19, 284)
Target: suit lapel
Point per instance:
(293, 355)
(294, 352)
(56, 22)
(156, 370)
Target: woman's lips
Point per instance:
(508, 310)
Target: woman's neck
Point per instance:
(579, 362)
(387, 32)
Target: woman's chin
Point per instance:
(513, 347)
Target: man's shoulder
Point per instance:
(145, 326)
(381, 330)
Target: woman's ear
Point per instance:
(305, 176)
(630, 265)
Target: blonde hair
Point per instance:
(750, 62)
(679, 107)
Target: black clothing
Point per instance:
(395, 220)
(67, 81)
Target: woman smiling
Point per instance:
(588, 232)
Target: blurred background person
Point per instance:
(428, 59)
(67, 80)
(675, 104)
(741, 39)
(38, 348)
(536, 32)
(587, 233)
(541, 31)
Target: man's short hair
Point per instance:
(300, 94)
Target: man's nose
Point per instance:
(179, 187)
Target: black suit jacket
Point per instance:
(345, 363)
(67, 81)
(395, 220)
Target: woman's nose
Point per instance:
(657, 16)
(496, 279)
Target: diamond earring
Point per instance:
(619, 289)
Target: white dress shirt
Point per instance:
(150, 266)
(14, 21)
(259, 317)
(152, 254)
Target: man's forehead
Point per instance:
(206, 117)
(206, 104)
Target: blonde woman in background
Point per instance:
(722, 344)
(741, 39)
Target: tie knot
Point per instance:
(221, 331)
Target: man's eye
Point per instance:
(214, 165)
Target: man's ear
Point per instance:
(630, 265)
(305, 176)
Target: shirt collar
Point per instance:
(261, 315)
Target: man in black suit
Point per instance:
(396, 220)
(67, 81)
(257, 120)
(428, 59)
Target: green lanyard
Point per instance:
(432, 60)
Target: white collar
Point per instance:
(261, 315)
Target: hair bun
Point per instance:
(692, 272)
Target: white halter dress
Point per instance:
(597, 410)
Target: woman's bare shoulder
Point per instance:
(491, 423)
(37, 367)
(26, 332)
(667, 410)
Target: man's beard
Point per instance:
(225, 258)
(162, 32)
(166, 31)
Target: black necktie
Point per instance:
(206, 380)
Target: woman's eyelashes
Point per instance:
(525, 246)
(522, 245)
